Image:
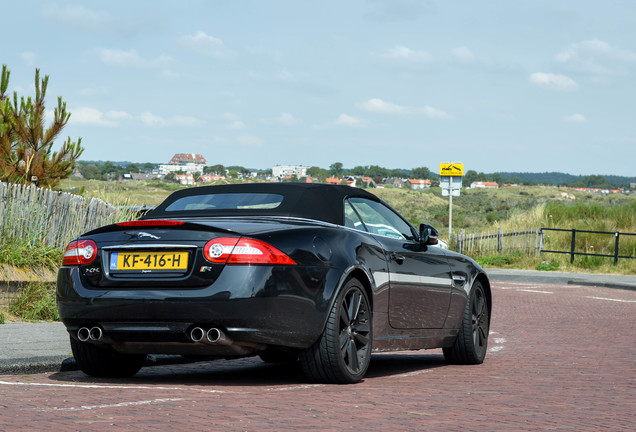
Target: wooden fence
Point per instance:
(527, 242)
(44, 217)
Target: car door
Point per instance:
(419, 275)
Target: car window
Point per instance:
(352, 220)
(227, 201)
(380, 219)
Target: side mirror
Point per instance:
(428, 234)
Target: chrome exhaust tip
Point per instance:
(95, 334)
(83, 334)
(216, 336)
(197, 334)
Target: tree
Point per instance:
(214, 169)
(26, 145)
(317, 172)
(336, 169)
(421, 173)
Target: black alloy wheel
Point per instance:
(472, 341)
(343, 353)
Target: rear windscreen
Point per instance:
(227, 201)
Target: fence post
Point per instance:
(616, 249)
(572, 246)
(499, 240)
(460, 241)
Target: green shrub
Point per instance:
(2, 317)
(499, 260)
(548, 266)
(36, 302)
(21, 254)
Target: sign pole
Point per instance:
(450, 211)
(447, 171)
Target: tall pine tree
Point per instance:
(26, 145)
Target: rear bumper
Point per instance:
(254, 306)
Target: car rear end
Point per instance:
(198, 288)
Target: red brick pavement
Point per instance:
(560, 358)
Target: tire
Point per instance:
(104, 362)
(472, 341)
(343, 352)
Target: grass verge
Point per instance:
(36, 303)
(21, 254)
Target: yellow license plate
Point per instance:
(148, 261)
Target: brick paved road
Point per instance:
(560, 357)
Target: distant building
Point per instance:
(288, 171)
(186, 162)
(484, 185)
(184, 179)
(332, 180)
(210, 178)
(419, 183)
(394, 182)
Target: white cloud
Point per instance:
(130, 58)
(379, 106)
(93, 117)
(595, 47)
(230, 116)
(29, 58)
(576, 118)
(404, 53)
(237, 125)
(150, 119)
(77, 16)
(250, 140)
(596, 57)
(204, 44)
(463, 54)
(347, 120)
(553, 81)
(287, 119)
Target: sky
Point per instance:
(530, 86)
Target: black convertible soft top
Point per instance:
(303, 200)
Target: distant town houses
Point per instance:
(484, 185)
(188, 169)
(288, 171)
(419, 183)
(184, 179)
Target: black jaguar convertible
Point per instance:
(317, 273)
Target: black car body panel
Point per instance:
(418, 292)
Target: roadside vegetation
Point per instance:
(475, 211)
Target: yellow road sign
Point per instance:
(451, 169)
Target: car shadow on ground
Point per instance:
(253, 372)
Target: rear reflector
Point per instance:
(80, 252)
(232, 250)
(150, 222)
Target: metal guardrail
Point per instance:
(573, 253)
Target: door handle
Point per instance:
(398, 258)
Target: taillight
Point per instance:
(232, 250)
(80, 252)
(150, 222)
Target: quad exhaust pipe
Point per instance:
(94, 334)
(213, 336)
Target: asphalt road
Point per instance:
(561, 357)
